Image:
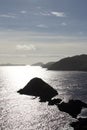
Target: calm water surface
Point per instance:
(22, 112)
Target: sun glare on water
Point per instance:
(18, 77)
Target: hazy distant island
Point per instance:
(38, 64)
(74, 63)
(43, 65)
(10, 64)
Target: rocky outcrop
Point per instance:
(37, 87)
(73, 107)
(54, 101)
(81, 124)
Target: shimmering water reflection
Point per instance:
(21, 112)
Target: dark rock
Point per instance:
(37, 87)
(73, 107)
(54, 101)
(81, 124)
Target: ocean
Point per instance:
(23, 112)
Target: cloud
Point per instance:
(45, 13)
(52, 13)
(23, 11)
(25, 47)
(63, 24)
(42, 26)
(7, 16)
(58, 14)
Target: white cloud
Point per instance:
(7, 16)
(25, 47)
(42, 26)
(52, 13)
(23, 11)
(58, 14)
(45, 13)
(63, 24)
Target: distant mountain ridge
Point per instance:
(43, 65)
(38, 64)
(75, 63)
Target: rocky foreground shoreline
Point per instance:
(39, 88)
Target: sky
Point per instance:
(42, 30)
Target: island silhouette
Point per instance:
(39, 88)
(74, 63)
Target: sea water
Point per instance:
(23, 112)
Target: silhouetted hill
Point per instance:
(39, 88)
(74, 63)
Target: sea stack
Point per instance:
(39, 88)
